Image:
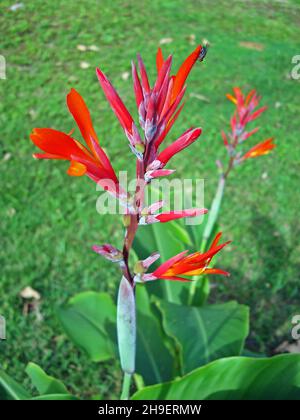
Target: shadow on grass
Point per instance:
(272, 293)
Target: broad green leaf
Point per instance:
(154, 361)
(54, 397)
(200, 291)
(235, 378)
(249, 353)
(89, 319)
(44, 383)
(10, 389)
(84, 321)
(203, 334)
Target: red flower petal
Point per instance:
(184, 71)
(82, 116)
(159, 59)
(144, 76)
(181, 143)
(55, 142)
(167, 264)
(138, 91)
(115, 102)
(173, 215)
(260, 149)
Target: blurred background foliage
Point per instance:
(48, 220)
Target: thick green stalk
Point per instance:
(126, 386)
(213, 213)
(126, 330)
(212, 218)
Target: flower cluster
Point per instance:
(183, 265)
(245, 112)
(158, 107)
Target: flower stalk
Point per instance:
(158, 109)
(244, 114)
(125, 394)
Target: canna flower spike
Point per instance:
(90, 160)
(245, 112)
(187, 265)
(159, 106)
(158, 109)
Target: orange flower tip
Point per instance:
(76, 169)
(231, 98)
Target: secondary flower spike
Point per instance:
(90, 160)
(245, 112)
(188, 265)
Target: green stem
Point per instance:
(126, 386)
(212, 218)
(214, 212)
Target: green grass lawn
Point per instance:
(49, 221)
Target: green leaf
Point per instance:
(10, 389)
(89, 319)
(203, 334)
(154, 361)
(44, 383)
(236, 378)
(199, 290)
(54, 397)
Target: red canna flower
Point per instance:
(187, 265)
(90, 160)
(260, 149)
(158, 108)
